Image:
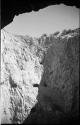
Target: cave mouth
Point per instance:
(11, 8)
(35, 110)
(45, 21)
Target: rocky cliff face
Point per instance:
(20, 69)
(52, 62)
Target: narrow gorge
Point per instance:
(39, 78)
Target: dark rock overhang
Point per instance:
(10, 8)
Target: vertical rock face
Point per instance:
(61, 66)
(52, 62)
(20, 69)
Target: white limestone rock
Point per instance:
(18, 74)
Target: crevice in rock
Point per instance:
(12, 83)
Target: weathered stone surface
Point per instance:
(61, 66)
(20, 69)
(42, 72)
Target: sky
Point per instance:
(47, 20)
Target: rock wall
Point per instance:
(61, 66)
(20, 69)
(42, 71)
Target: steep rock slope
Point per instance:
(61, 66)
(20, 69)
(52, 62)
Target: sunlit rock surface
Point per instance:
(51, 61)
(20, 69)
